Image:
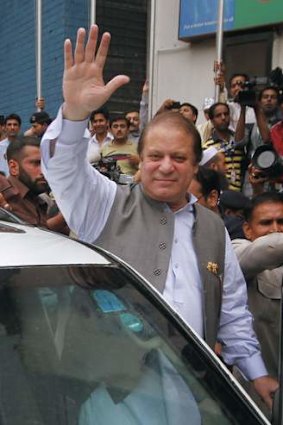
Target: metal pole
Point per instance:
(151, 57)
(92, 17)
(38, 49)
(219, 43)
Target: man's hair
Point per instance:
(131, 111)
(238, 74)
(13, 117)
(103, 111)
(275, 89)
(209, 180)
(214, 106)
(263, 198)
(119, 118)
(178, 121)
(15, 148)
(193, 108)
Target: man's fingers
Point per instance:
(116, 83)
(68, 55)
(102, 52)
(79, 54)
(91, 44)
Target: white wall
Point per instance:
(277, 52)
(184, 71)
(181, 71)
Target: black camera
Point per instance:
(175, 105)
(267, 160)
(247, 96)
(109, 168)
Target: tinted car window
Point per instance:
(91, 345)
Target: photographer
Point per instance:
(238, 82)
(267, 113)
(228, 142)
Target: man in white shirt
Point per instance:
(170, 150)
(99, 121)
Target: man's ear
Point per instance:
(14, 168)
(212, 199)
(247, 230)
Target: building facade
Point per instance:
(127, 22)
(182, 69)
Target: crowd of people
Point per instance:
(184, 191)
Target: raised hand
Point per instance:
(84, 89)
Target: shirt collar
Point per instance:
(189, 207)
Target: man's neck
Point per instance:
(101, 137)
(120, 142)
(223, 134)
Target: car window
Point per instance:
(89, 345)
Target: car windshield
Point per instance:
(89, 345)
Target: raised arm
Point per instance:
(84, 196)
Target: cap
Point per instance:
(234, 200)
(40, 118)
(207, 154)
(208, 102)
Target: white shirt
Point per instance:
(94, 147)
(3, 160)
(85, 198)
(235, 110)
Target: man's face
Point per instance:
(30, 170)
(120, 131)
(12, 128)
(269, 101)
(196, 189)
(38, 129)
(220, 164)
(266, 218)
(100, 124)
(168, 164)
(188, 113)
(134, 119)
(209, 201)
(2, 130)
(237, 84)
(221, 118)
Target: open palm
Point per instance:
(84, 89)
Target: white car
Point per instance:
(84, 340)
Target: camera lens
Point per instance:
(266, 159)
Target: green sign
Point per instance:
(199, 17)
(251, 13)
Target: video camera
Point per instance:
(109, 168)
(267, 160)
(248, 95)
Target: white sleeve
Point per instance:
(83, 195)
(264, 253)
(240, 344)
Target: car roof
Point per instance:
(25, 245)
